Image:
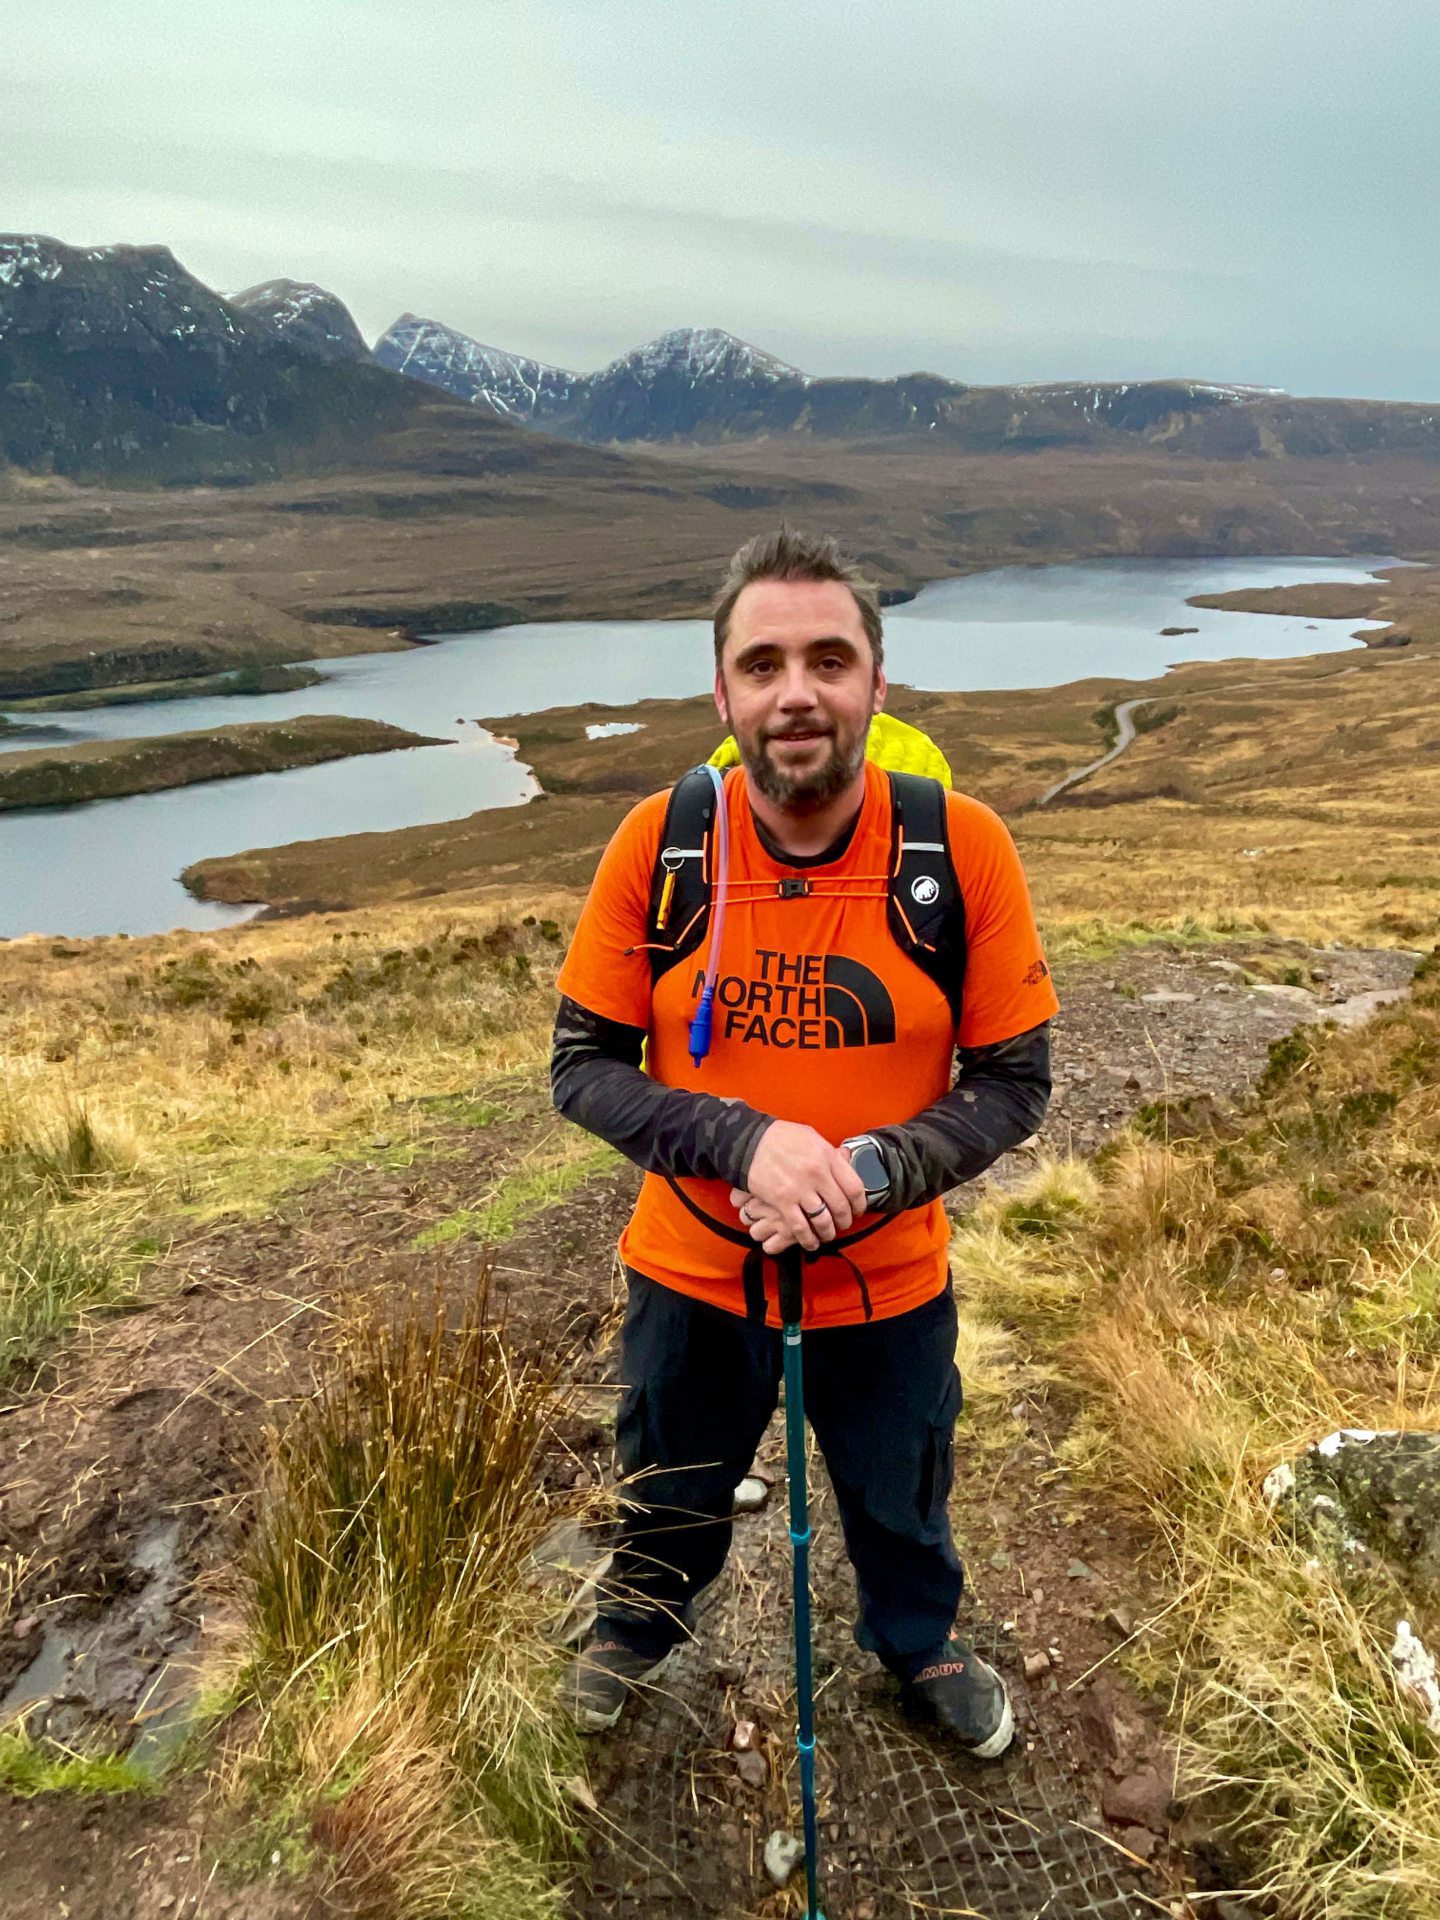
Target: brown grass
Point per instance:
(232, 1067)
(148, 1085)
(1218, 1304)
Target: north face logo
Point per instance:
(805, 1001)
(858, 1009)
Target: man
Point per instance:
(823, 1116)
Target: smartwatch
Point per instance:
(868, 1159)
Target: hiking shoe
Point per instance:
(601, 1678)
(964, 1696)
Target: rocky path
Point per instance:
(121, 1486)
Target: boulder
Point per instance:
(1357, 1491)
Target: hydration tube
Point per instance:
(704, 1016)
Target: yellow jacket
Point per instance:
(891, 744)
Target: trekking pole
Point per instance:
(790, 1309)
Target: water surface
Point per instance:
(111, 866)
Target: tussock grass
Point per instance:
(401, 1664)
(142, 1083)
(47, 1276)
(1213, 1304)
(54, 1156)
(1002, 1278)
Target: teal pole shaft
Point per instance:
(790, 1312)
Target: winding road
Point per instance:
(1123, 738)
(1127, 728)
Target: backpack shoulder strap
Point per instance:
(926, 907)
(679, 911)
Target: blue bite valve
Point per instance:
(700, 1026)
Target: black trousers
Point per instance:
(700, 1387)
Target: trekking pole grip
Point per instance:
(792, 1291)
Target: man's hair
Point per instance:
(788, 554)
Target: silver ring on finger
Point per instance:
(818, 1212)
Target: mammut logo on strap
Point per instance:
(805, 1001)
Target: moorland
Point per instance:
(108, 585)
(308, 1302)
(272, 1198)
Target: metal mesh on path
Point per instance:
(907, 1829)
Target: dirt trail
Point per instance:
(124, 1484)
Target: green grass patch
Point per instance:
(47, 1279)
(1098, 939)
(516, 1200)
(464, 1109)
(29, 1767)
(56, 1257)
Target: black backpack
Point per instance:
(925, 908)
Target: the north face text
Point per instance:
(808, 1001)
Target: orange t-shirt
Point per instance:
(819, 1017)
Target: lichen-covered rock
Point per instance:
(1416, 1674)
(1356, 1491)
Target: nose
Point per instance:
(797, 688)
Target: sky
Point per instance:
(992, 190)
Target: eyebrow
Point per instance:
(829, 643)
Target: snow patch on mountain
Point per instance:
(509, 384)
(702, 353)
(519, 388)
(147, 288)
(305, 316)
(1099, 395)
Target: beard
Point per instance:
(809, 791)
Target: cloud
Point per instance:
(1098, 189)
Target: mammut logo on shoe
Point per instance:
(806, 1001)
(942, 1670)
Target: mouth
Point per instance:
(799, 736)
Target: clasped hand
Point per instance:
(800, 1190)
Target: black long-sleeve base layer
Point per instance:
(998, 1099)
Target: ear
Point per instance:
(881, 689)
(720, 703)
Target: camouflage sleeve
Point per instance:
(998, 1099)
(596, 1081)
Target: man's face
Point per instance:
(797, 687)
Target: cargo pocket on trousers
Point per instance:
(632, 1452)
(938, 1470)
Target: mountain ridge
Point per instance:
(116, 362)
(703, 385)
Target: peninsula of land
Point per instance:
(109, 769)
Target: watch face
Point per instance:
(869, 1163)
